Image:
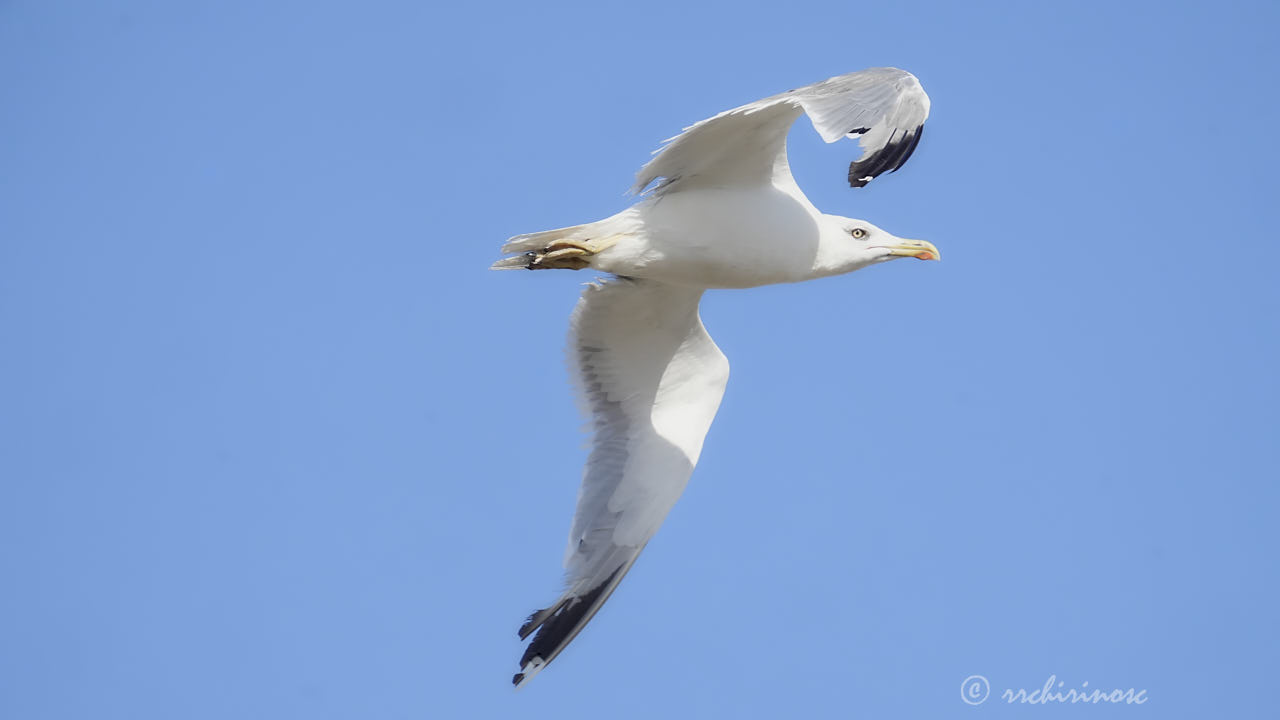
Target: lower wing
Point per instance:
(651, 379)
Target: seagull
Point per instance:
(718, 208)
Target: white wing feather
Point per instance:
(884, 107)
(651, 379)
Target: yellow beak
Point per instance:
(922, 249)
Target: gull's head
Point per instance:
(846, 244)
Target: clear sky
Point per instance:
(274, 443)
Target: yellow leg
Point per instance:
(569, 254)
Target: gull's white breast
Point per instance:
(733, 237)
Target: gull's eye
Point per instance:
(858, 233)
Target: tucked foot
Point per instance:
(551, 250)
(563, 255)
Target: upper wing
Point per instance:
(885, 108)
(652, 380)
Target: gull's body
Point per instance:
(715, 238)
(726, 213)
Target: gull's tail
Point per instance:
(569, 248)
(527, 247)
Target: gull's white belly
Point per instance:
(715, 238)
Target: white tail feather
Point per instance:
(533, 242)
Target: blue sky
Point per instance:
(274, 442)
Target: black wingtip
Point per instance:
(557, 625)
(912, 142)
(890, 157)
(537, 618)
